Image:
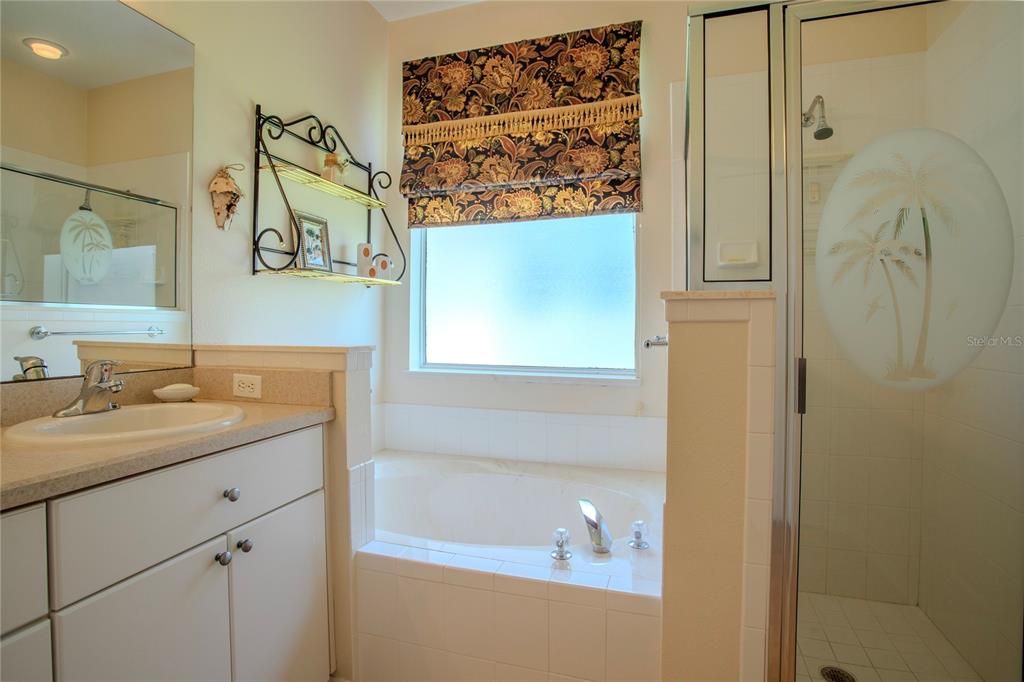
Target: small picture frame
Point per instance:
(314, 242)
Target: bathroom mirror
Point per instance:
(96, 153)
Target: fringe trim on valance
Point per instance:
(525, 122)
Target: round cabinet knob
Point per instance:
(223, 558)
(245, 545)
(233, 494)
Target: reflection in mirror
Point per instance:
(96, 135)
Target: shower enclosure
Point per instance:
(894, 230)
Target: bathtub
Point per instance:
(508, 511)
(458, 582)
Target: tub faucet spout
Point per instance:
(600, 538)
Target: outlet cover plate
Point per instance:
(247, 385)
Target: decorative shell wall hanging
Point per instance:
(225, 195)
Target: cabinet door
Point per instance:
(279, 595)
(25, 654)
(22, 567)
(168, 623)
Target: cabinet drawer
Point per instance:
(22, 567)
(107, 534)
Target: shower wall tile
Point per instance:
(558, 438)
(860, 475)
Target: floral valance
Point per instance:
(541, 128)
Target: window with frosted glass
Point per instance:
(553, 294)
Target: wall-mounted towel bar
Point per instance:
(39, 333)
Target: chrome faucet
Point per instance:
(600, 538)
(95, 382)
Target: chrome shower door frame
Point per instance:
(782, 615)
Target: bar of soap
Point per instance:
(176, 393)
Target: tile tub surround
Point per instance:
(30, 475)
(612, 441)
(24, 400)
(438, 616)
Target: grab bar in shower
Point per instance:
(40, 332)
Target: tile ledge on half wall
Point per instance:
(728, 294)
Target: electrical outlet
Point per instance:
(247, 385)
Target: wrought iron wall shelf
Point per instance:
(306, 177)
(332, 277)
(311, 131)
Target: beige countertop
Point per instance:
(33, 474)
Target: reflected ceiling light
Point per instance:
(47, 49)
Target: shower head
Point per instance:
(823, 131)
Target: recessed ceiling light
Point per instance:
(45, 48)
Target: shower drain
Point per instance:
(831, 673)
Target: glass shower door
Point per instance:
(911, 534)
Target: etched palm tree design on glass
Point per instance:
(871, 250)
(90, 235)
(915, 189)
(924, 217)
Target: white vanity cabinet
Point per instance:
(150, 577)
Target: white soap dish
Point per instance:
(176, 393)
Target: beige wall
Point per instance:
(663, 56)
(293, 58)
(43, 115)
(140, 118)
(126, 121)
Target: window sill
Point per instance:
(531, 377)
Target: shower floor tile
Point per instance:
(876, 641)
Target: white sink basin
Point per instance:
(132, 423)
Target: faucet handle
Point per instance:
(100, 370)
(561, 539)
(639, 532)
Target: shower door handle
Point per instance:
(801, 385)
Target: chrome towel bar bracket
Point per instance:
(656, 341)
(40, 332)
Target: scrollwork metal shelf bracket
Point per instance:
(312, 131)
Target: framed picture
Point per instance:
(314, 242)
